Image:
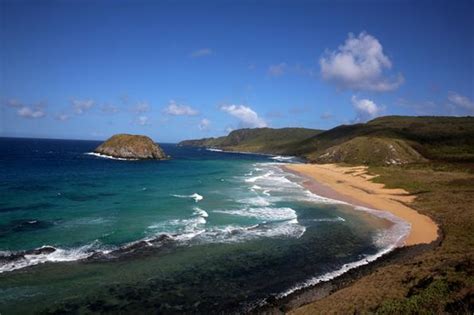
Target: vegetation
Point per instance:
(382, 141)
(258, 140)
(131, 147)
(431, 157)
(436, 281)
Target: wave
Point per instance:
(263, 213)
(333, 274)
(197, 197)
(234, 234)
(386, 240)
(17, 260)
(259, 177)
(337, 219)
(200, 212)
(214, 150)
(108, 156)
(281, 158)
(256, 201)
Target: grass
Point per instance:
(437, 281)
(258, 140)
(380, 141)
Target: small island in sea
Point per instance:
(132, 147)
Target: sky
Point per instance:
(176, 70)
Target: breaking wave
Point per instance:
(197, 197)
(108, 156)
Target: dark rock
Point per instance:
(45, 250)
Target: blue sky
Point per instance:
(179, 70)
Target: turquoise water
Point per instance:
(203, 232)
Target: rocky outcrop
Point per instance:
(127, 146)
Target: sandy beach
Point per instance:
(354, 185)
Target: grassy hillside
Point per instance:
(259, 140)
(435, 281)
(382, 141)
(434, 138)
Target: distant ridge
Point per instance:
(381, 141)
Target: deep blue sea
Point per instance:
(204, 232)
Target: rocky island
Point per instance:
(135, 147)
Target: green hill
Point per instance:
(258, 140)
(382, 141)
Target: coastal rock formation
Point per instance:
(127, 146)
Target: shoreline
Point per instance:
(353, 185)
(331, 185)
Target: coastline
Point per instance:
(353, 185)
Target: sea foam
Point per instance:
(108, 156)
(197, 197)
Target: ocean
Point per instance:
(203, 232)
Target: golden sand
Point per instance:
(354, 185)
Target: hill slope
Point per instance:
(382, 141)
(258, 140)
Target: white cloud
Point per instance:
(359, 64)
(110, 109)
(31, 112)
(277, 70)
(141, 107)
(204, 124)
(248, 118)
(80, 106)
(62, 117)
(365, 108)
(27, 111)
(460, 101)
(175, 109)
(201, 53)
(143, 120)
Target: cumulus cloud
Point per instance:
(461, 101)
(204, 124)
(277, 70)
(141, 107)
(62, 117)
(143, 121)
(201, 53)
(365, 108)
(80, 106)
(175, 109)
(248, 117)
(31, 112)
(359, 64)
(27, 111)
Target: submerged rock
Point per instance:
(127, 146)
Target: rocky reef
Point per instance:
(127, 146)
